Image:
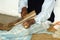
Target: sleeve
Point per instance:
(21, 4)
(46, 10)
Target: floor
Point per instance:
(43, 37)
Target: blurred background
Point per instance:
(9, 7)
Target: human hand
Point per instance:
(28, 23)
(24, 12)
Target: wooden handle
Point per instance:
(28, 16)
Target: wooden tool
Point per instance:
(27, 17)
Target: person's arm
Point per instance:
(45, 13)
(22, 7)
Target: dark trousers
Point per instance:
(52, 17)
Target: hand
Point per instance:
(24, 12)
(28, 23)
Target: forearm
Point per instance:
(45, 13)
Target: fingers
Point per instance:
(24, 12)
(26, 25)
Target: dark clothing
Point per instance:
(37, 5)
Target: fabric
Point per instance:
(18, 32)
(52, 17)
(35, 5)
(46, 9)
